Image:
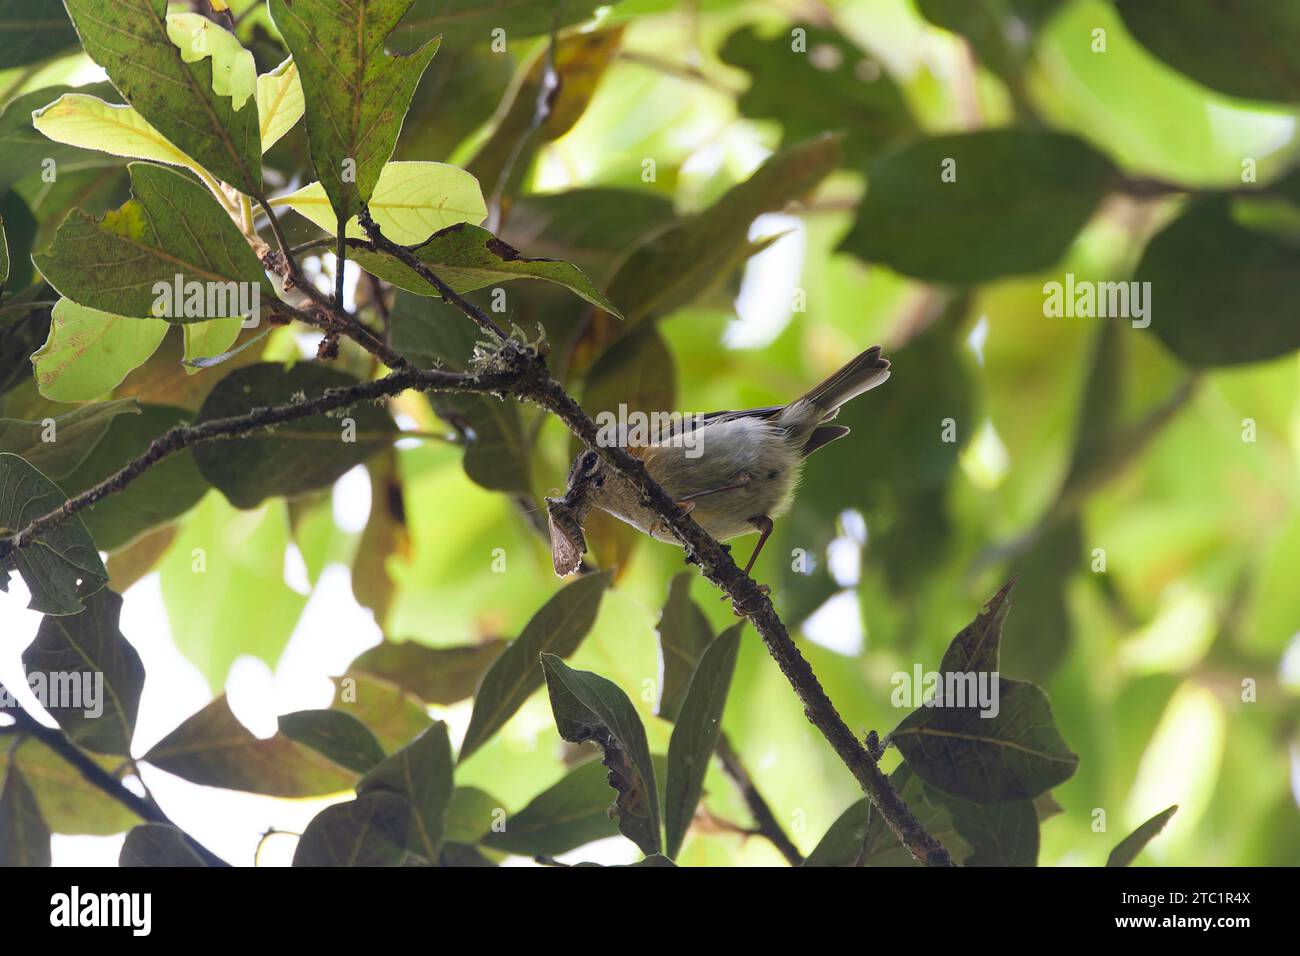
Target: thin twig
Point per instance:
(98, 777)
(408, 259)
(184, 436)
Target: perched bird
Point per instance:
(735, 471)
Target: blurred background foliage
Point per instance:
(1156, 543)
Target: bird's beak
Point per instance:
(564, 519)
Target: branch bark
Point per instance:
(97, 776)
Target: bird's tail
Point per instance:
(860, 375)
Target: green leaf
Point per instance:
(565, 75)
(97, 674)
(563, 817)
(830, 86)
(1009, 752)
(294, 458)
(860, 836)
(335, 734)
(87, 122)
(1017, 202)
(213, 748)
(69, 803)
(470, 816)
(420, 773)
(998, 834)
(977, 645)
(436, 675)
(367, 831)
(57, 446)
(1244, 49)
(1135, 842)
(999, 31)
(1220, 293)
(393, 716)
(695, 257)
(356, 93)
(280, 102)
(593, 227)
(24, 837)
(173, 227)
(684, 633)
(60, 566)
(497, 448)
(467, 258)
(464, 23)
(164, 492)
(88, 353)
(558, 628)
(1015, 755)
(221, 551)
(4, 255)
(411, 202)
(695, 734)
(588, 707)
(18, 340)
(176, 90)
(157, 844)
(33, 30)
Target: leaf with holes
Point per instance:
(61, 565)
(588, 707)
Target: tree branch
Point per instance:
(183, 436)
(144, 808)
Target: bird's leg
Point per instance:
(764, 525)
(741, 482)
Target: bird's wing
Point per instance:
(690, 423)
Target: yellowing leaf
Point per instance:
(279, 102)
(89, 352)
(87, 122)
(234, 72)
(411, 202)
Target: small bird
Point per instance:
(738, 471)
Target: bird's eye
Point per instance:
(589, 462)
